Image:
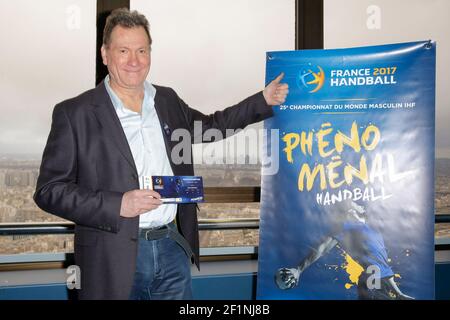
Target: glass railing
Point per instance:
(53, 241)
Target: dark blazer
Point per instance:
(87, 166)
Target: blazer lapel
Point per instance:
(110, 123)
(163, 115)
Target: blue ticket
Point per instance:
(176, 189)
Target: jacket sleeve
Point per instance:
(57, 191)
(251, 110)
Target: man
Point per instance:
(364, 244)
(127, 244)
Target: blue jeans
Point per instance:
(163, 271)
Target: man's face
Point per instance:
(127, 57)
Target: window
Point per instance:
(213, 54)
(49, 58)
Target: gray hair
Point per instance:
(125, 18)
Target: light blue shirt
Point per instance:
(146, 141)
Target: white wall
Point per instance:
(351, 23)
(47, 55)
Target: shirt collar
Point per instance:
(149, 93)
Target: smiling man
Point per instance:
(128, 244)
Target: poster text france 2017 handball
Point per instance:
(350, 212)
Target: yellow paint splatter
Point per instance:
(354, 270)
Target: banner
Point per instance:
(350, 212)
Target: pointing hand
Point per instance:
(275, 93)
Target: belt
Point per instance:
(154, 233)
(166, 231)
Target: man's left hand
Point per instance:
(275, 93)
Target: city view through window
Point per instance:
(18, 175)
